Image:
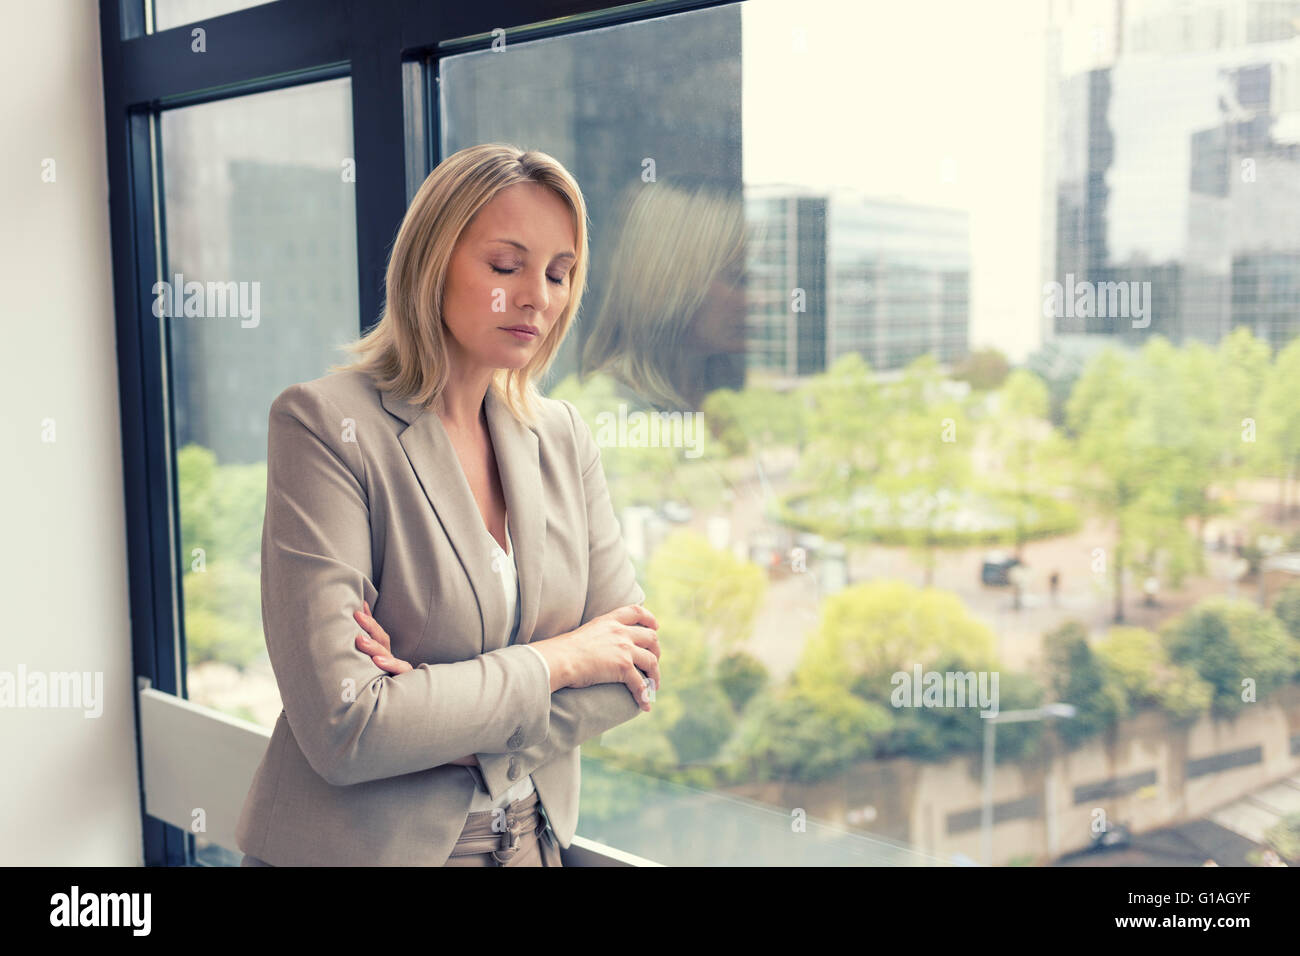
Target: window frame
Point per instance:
(278, 44)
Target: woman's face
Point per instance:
(510, 269)
(719, 325)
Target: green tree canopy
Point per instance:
(688, 578)
(1137, 661)
(1228, 641)
(1075, 676)
(868, 632)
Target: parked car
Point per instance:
(1113, 837)
(996, 571)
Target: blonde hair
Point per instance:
(406, 351)
(671, 245)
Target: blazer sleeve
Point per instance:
(354, 721)
(580, 713)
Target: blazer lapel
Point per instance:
(521, 478)
(434, 460)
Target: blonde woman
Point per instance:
(670, 326)
(448, 604)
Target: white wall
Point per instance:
(69, 794)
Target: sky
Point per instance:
(940, 103)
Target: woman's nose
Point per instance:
(535, 293)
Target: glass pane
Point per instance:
(175, 13)
(261, 236)
(897, 495)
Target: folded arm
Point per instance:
(578, 714)
(353, 721)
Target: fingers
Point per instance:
(645, 638)
(371, 627)
(643, 679)
(648, 664)
(635, 614)
(382, 660)
(636, 685)
(376, 644)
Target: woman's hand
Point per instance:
(377, 645)
(612, 648)
(380, 649)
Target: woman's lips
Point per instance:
(523, 333)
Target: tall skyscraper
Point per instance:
(838, 272)
(1176, 170)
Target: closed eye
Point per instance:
(510, 272)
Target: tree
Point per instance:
(706, 601)
(1227, 642)
(1243, 367)
(1144, 459)
(1279, 419)
(808, 733)
(984, 369)
(705, 723)
(221, 508)
(688, 578)
(868, 632)
(1059, 366)
(845, 448)
(928, 454)
(1029, 453)
(931, 733)
(686, 724)
(754, 418)
(636, 475)
(1076, 676)
(1284, 838)
(1286, 607)
(1115, 458)
(1137, 662)
(1185, 422)
(741, 675)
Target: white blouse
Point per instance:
(510, 584)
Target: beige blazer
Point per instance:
(365, 498)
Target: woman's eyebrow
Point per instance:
(523, 248)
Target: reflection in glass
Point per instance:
(673, 307)
(887, 484)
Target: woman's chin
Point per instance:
(516, 361)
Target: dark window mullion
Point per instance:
(140, 387)
(378, 144)
(272, 39)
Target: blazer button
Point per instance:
(513, 772)
(516, 739)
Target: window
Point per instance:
(260, 214)
(824, 237)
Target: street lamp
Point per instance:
(1059, 710)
